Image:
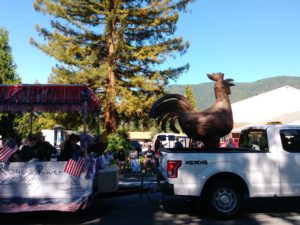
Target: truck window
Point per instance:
(290, 140)
(254, 139)
(162, 137)
(171, 137)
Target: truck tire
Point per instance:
(224, 199)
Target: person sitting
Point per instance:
(134, 160)
(107, 157)
(26, 152)
(121, 159)
(178, 144)
(33, 149)
(45, 150)
(149, 158)
(86, 142)
(70, 147)
(97, 146)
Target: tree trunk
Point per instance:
(110, 122)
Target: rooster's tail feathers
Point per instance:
(172, 124)
(170, 103)
(167, 108)
(164, 119)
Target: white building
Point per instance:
(281, 104)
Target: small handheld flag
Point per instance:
(75, 165)
(10, 147)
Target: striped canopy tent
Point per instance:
(48, 98)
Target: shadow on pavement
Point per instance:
(153, 208)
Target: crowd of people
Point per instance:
(36, 148)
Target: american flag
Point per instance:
(9, 149)
(75, 165)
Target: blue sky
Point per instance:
(248, 40)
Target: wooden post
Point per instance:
(85, 116)
(31, 115)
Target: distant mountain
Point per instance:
(205, 97)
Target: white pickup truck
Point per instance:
(266, 164)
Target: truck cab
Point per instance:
(168, 139)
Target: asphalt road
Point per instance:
(150, 209)
(155, 209)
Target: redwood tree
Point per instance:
(119, 46)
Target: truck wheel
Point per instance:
(224, 199)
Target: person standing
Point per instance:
(230, 143)
(157, 145)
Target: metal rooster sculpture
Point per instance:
(207, 126)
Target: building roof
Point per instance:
(140, 135)
(280, 104)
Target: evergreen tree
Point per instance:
(116, 45)
(7, 76)
(7, 66)
(190, 95)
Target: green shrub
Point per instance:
(118, 141)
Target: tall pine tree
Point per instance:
(190, 95)
(7, 76)
(116, 45)
(7, 66)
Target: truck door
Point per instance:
(289, 159)
(262, 167)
